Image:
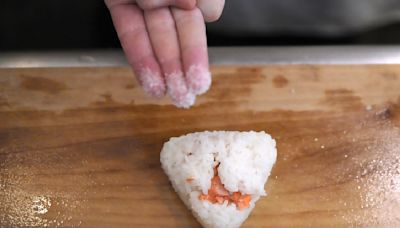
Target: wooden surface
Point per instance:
(80, 147)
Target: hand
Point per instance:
(165, 43)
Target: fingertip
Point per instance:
(212, 16)
(152, 83)
(180, 95)
(198, 79)
(185, 101)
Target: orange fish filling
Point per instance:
(189, 179)
(218, 194)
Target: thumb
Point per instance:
(211, 9)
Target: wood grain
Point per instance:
(80, 147)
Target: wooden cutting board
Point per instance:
(80, 147)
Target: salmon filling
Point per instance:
(218, 194)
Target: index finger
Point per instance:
(130, 25)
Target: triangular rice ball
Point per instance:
(219, 175)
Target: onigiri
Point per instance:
(219, 175)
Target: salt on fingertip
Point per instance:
(152, 83)
(178, 91)
(198, 79)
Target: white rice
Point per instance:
(245, 162)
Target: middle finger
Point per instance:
(163, 35)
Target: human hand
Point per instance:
(165, 43)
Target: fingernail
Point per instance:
(180, 95)
(198, 79)
(152, 83)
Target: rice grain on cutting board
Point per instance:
(219, 175)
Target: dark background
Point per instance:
(86, 24)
